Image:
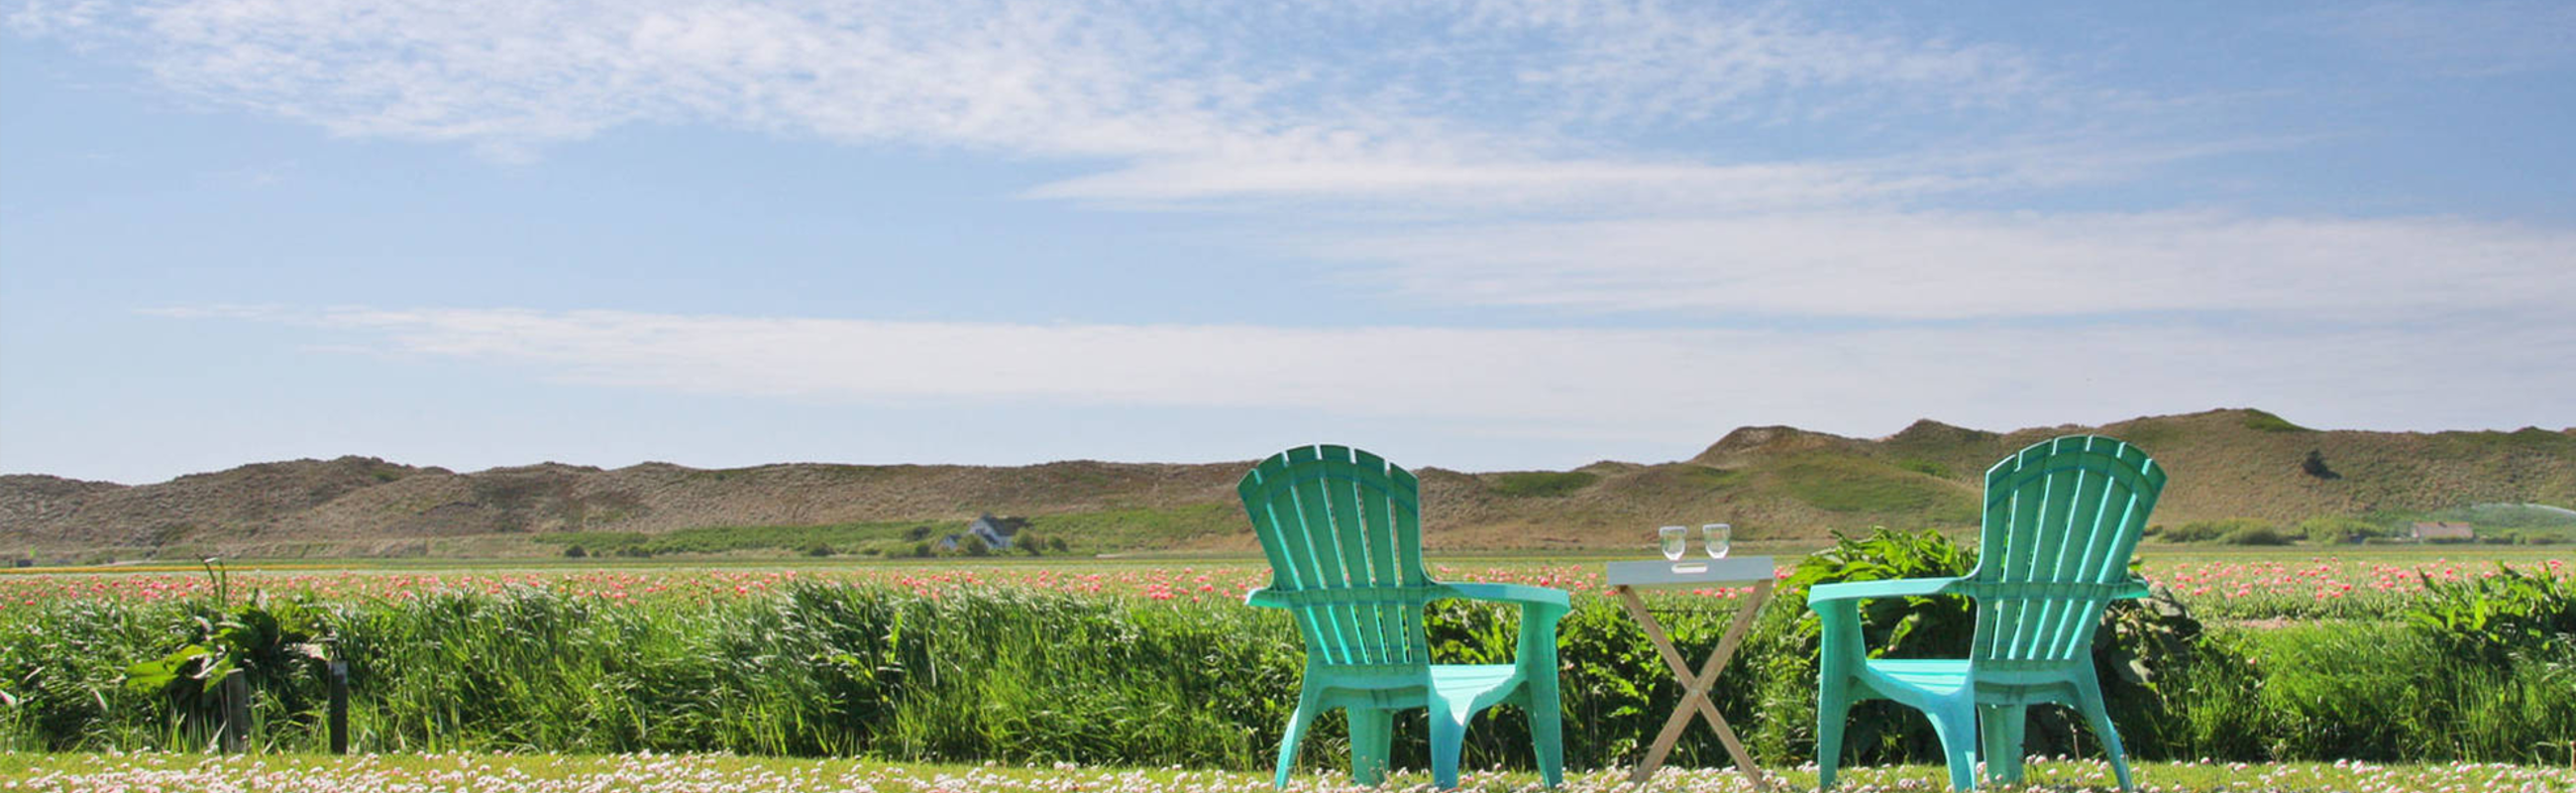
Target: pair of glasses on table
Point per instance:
(1716, 538)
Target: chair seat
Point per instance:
(1933, 677)
(1481, 684)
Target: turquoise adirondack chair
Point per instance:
(1343, 532)
(2061, 519)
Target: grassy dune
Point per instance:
(1773, 483)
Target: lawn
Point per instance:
(502, 773)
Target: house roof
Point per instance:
(2445, 530)
(1003, 527)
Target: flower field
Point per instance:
(480, 773)
(2221, 588)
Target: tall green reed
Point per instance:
(1022, 675)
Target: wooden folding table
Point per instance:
(1627, 577)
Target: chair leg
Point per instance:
(2089, 692)
(1999, 729)
(1448, 736)
(1308, 702)
(1372, 736)
(1957, 725)
(1833, 712)
(1547, 731)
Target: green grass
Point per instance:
(532, 773)
(1843, 484)
(851, 538)
(1538, 484)
(980, 672)
(2261, 421)
(1107, 531)
(1140, 528)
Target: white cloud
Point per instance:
(46, 18)
(1472, 151)
(1923, 265)
(1651, 63)
(1046, 78)
(1606, 384)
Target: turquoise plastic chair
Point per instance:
(2061, 519)
(1343, 531)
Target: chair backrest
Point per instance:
(2061, 519)
(1343, 531)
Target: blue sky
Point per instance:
(1477, 235)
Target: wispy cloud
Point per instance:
(1470, 152)
(1604, 384)
(1046, 78)
(1945, 266)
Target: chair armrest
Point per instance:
(1899, 587)
(1267, 598)
(1511, 593)
(1541, 608)
(2133, 589)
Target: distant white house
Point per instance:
(2443, 531)
(997, 533)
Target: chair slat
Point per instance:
(2062, 518)
(1377, 516)
(1357, 483)
(2009, 548)
(1313, 532)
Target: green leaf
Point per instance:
(158, 675)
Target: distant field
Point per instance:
(1786, 551)
(2218, 582)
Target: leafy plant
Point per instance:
(2315, 465)
(2509, 615)
(2232, 531)
(269, 643)
(2337, 529)
(1938, 627)
(2256, 534)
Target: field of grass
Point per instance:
(1156, 663)
(1083, 533)
(874, 539)
(2228, 583)
(1847, 484)
(509, 773)
(1539, 484)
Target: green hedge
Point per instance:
(1023, 676)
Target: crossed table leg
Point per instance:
(1695, 687)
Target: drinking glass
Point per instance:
(1676, 539)
(1718, 538)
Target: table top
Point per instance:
(1658, 572)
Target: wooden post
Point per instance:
(236, 722)
(339, 707)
